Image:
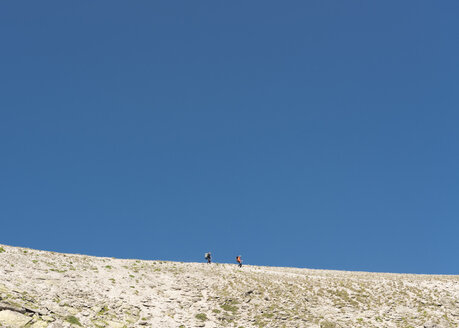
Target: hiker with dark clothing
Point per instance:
(238, 259)
(208, 257)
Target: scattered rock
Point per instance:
(72, 291)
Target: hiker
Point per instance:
(208, 257)
(238, 259)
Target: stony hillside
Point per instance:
(46, 289)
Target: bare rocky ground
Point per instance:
(45, 289)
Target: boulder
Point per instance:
(13, 319)
(40, 324)
(115, 324)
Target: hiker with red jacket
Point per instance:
(238, 259)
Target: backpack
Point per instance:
(206, 255)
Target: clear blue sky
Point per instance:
(320, 134)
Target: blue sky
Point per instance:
(320, 134)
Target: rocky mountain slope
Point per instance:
(45, 289)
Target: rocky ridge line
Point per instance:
(41, 289)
